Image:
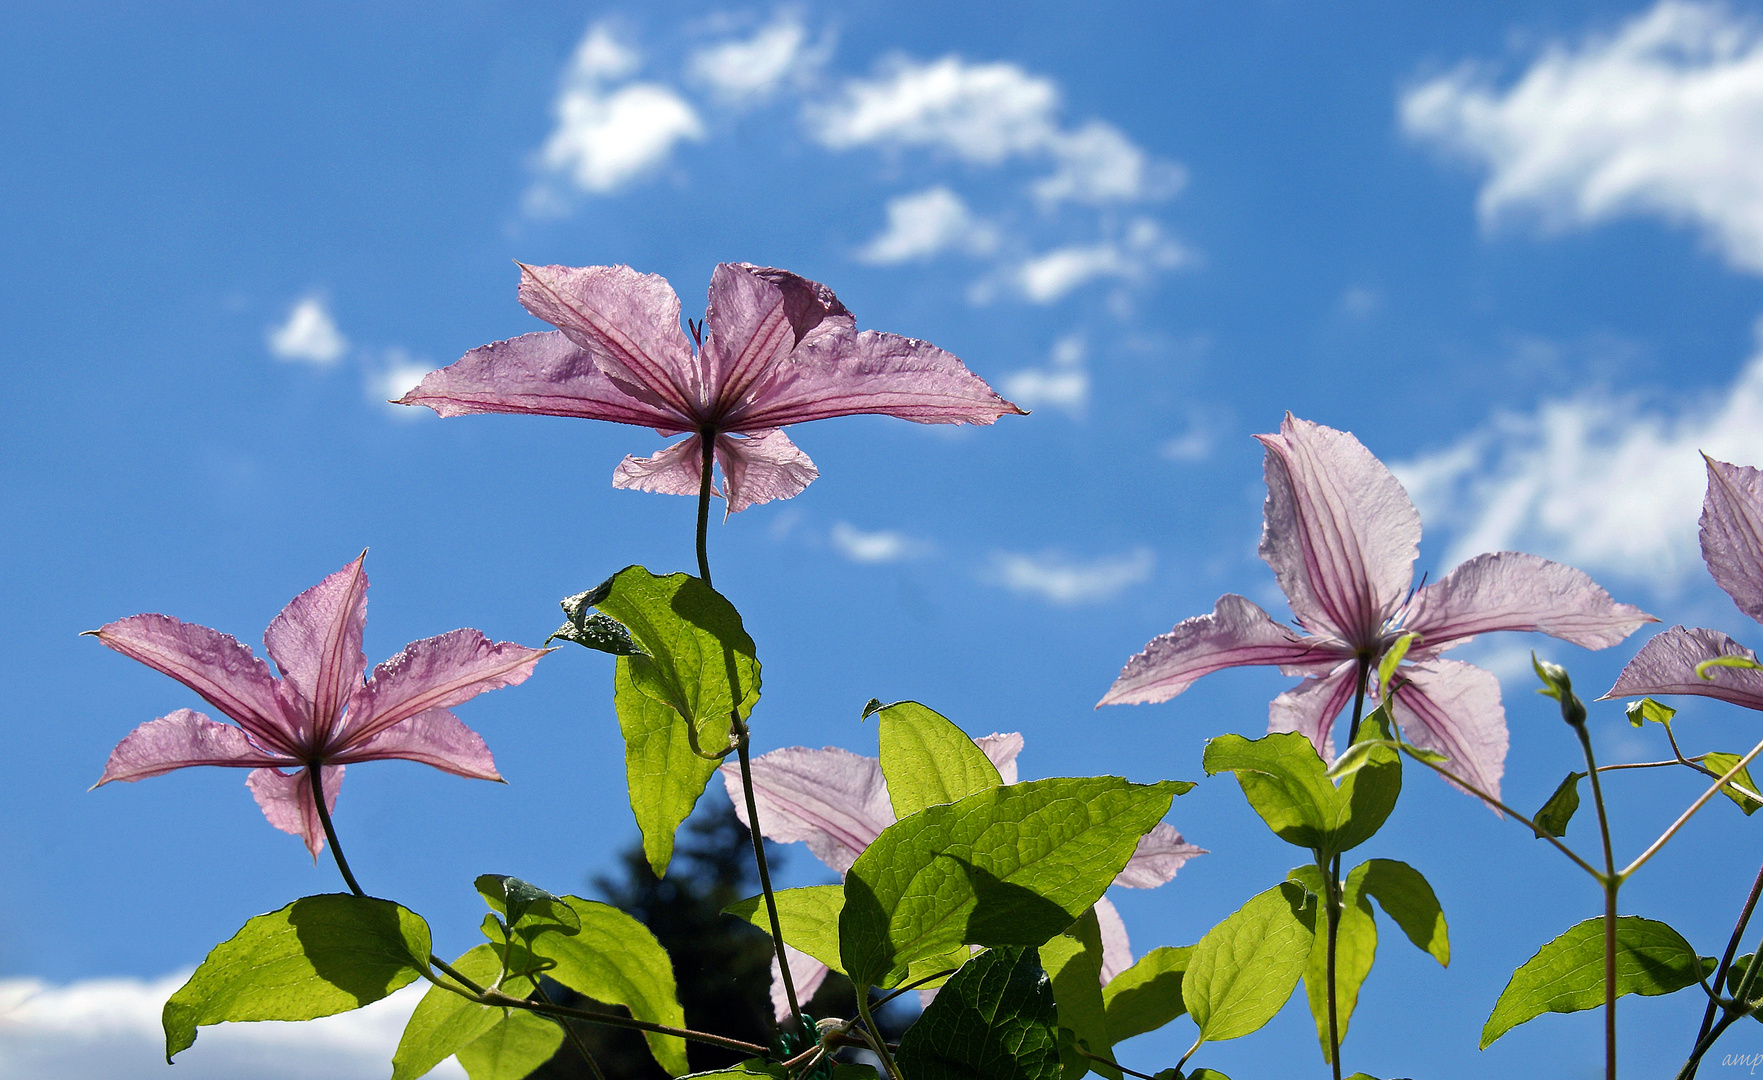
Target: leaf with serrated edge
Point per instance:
(1567, 974)
(1406, 898)
(927, 760)
(614, 958)
(809, 918)
(1245, 968)
(994, 1020)
(1073, 960)
(664, 776)
(1009, 866)
(443, 1021)
(1147, 995)
(518, 1044)
(318, 956)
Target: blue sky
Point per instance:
(1515, 248)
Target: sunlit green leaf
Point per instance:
(1147, 995)
(444, 1022)
(1405, 897)
(1007, 866)
(318, 956)
(809, 918)
(517, 901)
(614, 959)
(1073, 960)
(1552, 819)
(994, 1020)
(517, 1044)
(927, 760)
(1722, 764)
(1639, 712)
(1567, 974)
(665, 777)
(1355, 949)
(1286, 782)
(1392, 656)
(1245, 968)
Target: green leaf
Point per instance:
(1386, 668)
(664, 775)
(518, 901)
(591, 629)
(1405, 897)
(1355, 949)
(1073, 961)
(318, 956)
(1567, 974)
(809, 918)
(1552, 819)
(1735, 974)
(1244, 969)
(513, 1048)
(1722, 764)
(444, 1022)
(1286, 782)
(1356, 757)
(927, 760)
(616, 960)
(994, 1020)
(1009, 866)
(1147, 995)
(1639, 712)
(1207, 1074)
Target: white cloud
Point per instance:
(987, 114)
(397, 374)
(608, 136)
(1052, 275)
(1195, 444)
(1360, 302)
(745, 71)
(927, 223)
(309, 334)
(1061, 581)
(1665, 117)
(109, 1029)
(1063, 384)
(875, 547)
(1605, 483)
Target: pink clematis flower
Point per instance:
(837, 802)
(1341, 536)
(780, 350)
(319, 713)
(1732, 546)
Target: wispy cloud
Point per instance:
(1605, 482)
(609, 132)
(928, 223)
(1133, 257)
(1660, 117)
(1056, 579)
(396, 373)
(745, 71)
(1062, 384)
(885, 546)
(309, 334)
(109, 1029)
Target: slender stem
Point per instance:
(1706, 1043)
(1332, 902)
(872, 1035)
(777, 930)
(1683, 818)
(1190, 1053)
(1116, 1064)
(1509, 811)
(614, 1020)
(1612, 882)
(575, 1038)
(708, 439)
(1732, 948)
(913, 985)
(316, 771)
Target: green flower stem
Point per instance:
(1612, 882)
(1691, 812)
(1732, 948)
(1332, 874)
(1736, 1010)
(707, 437)
(872, 1035)
(315, 771)
(1507, 810)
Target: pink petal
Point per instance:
(1237, 633)
(1732, 533)
(811, 307)
(843, 374)
(1341, 534)
(833, 799)
(761, 467)
(1161, 852)
(677, 470)
(436, 737)
(1454, 708)
(179, 740)
(1116, 947)
(1312, 706)
(1002, 751)
(316, 641)
(749, 333)
(286, 800)
(1667, 665)
(806, 973)
(543, 373)
(213, 664)
(628, 322)
(1514, 591)
(434, 673)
